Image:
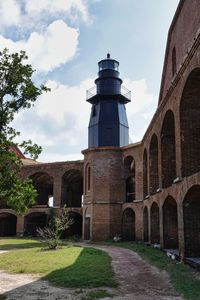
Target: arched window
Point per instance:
(129, 173)
(190, 124)
(145, 174)
(173, 61)
(87, 178)
(153, 165)
(72, 188)
(43, 183)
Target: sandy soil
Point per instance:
(137, 279)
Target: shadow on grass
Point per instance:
(91, 269)
(18, 243)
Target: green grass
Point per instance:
(68, 266)
(184, 279)
(18, 243)
(99, 294)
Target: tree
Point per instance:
(17, 92)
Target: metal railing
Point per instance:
(93, 92)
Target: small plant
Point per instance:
(51, 234)
(117, 238)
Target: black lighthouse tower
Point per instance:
(108, 124)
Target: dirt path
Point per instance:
(137, 279)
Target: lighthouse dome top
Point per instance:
(108, 64)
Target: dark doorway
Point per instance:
(146, 224)
(34, 221)
(8, 223)
(76, 228)
(155, 224)
(191, 215)
(128, 225)
(170, 224)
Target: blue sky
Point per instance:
(64, 40)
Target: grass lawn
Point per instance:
(69, 266)
(184, 279)
(18, 243)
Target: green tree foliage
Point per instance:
(17, 92)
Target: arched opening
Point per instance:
(130, 189)
(173, 61)
(153, 165)
(170, 224)
(76, 228)
(191, 217)
(8, 223)
(129, 173)
(155, 224)
(128, 225)
(168, 150)
(145, 174)
(190, 124)
(43, 183)
(72, 188)
(34, 221)
(87, 178)
(146, 224)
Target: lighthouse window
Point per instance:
(94, 111)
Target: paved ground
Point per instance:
(138, 281)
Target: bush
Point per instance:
(51, 234)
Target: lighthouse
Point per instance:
(108, 125)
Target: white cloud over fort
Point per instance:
(49, 49)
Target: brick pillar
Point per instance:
(20, 226)
(57, 191)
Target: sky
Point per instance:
(64, 40)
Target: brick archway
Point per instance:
(170, 223)
(128, 225)
(168, 149)
(8, 223)
(43, 183)
(155, 224)
(191, 217)
(153, 165)
(33, 221)
(190, 124)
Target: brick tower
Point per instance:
(104, 188)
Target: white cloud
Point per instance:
(9, 13)
(53, 7)
(59, 120)
(33, 13)
(47, 50)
